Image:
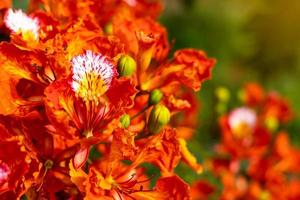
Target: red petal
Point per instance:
(81, 157)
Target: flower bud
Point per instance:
(125, 120)
(222, 94)
(159, 116)
(221, 108)
(126, 66)
(242, 96)
(272, 123)
(155, 97)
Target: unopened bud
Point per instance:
(126, 66)
(221, 108)
(272, 123)
(155, 97)
(242, 95)
(159, 116)
(125, 120)
(222, 94)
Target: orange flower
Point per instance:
(102, 10)
(47, 169)
(278, 108)
(271, 171)
(242, 135)
(24, 79)
(140, 34)
(162, 149)
(273, 108)
(189, 67)
(93, 75)
(111, 178)
(121, 182)
(254, 94)
(83, 104)
(14, 166)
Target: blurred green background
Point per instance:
(257, 40)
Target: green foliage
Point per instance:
(20, 4)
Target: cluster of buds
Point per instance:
(88, 95)
(255, 159)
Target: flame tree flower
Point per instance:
(254, 158)
(94, 76)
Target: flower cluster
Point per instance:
(255, 159)
(89, 93)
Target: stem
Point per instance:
(140, 112)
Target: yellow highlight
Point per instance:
(91, 87)
(106, 183)
(28, 36)
(242, 130)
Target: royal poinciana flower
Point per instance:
(247, 131)
(243, 135)
(14, 168)
(269, 176)
(82, 105)
(242, 122)
(88, 96)
(253, 160)
(274, 109)
(112, 179)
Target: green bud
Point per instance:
(125, 120)
(242, 95)
(126, 66)
(222, 94)
(159, 116)
(155, 97)
(221, 108)
(108, 28)
(272, 123)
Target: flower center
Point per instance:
(18, 22)
(242, 122)
(106, 183)
(92, 76)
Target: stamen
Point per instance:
(92, 75)
(18, 22)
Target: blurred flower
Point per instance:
(242, 122)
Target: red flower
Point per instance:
(84, 104)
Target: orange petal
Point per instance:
(188, 157)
